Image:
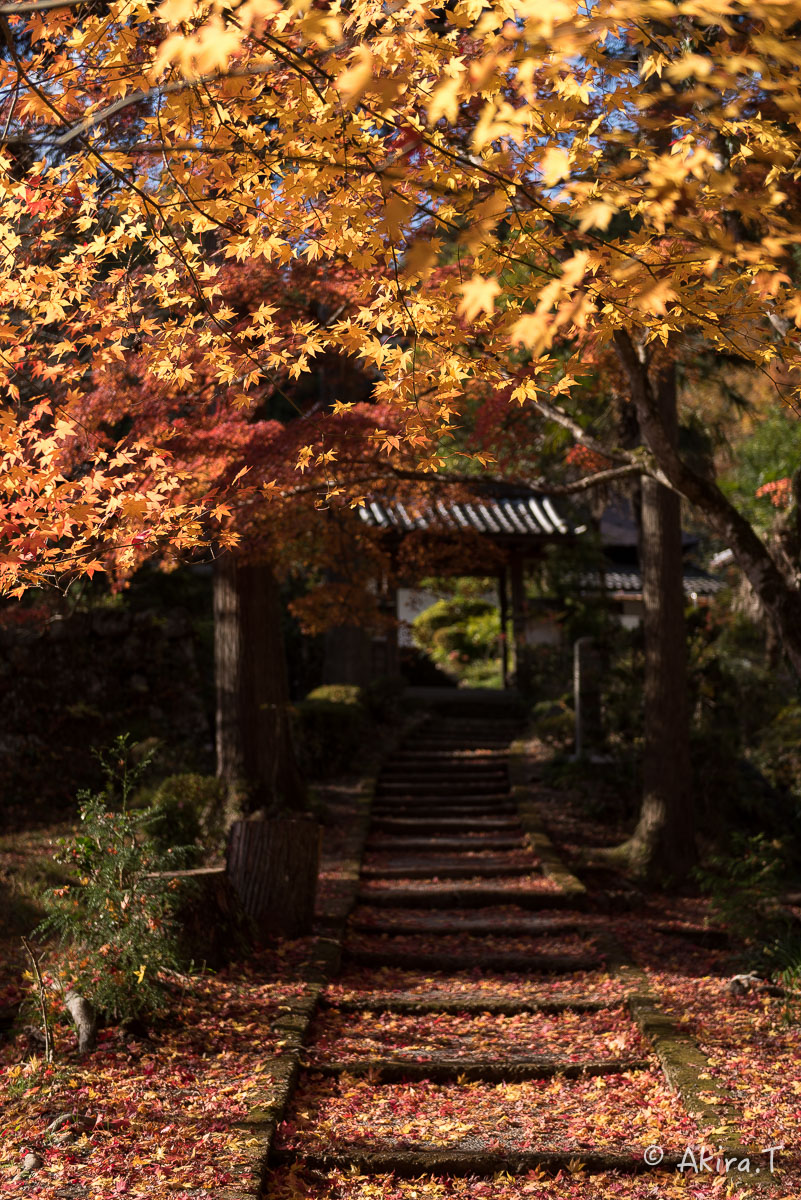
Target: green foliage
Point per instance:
(188, 810)
(778, 752)
(383, 698)
(114, 918)
(554, 720)
(743, 882)
(329, 732)
(771, 450)
(462, 634)
(334, 722)
(549, 670)
(562, 583)
(338, 693)
(743, 734)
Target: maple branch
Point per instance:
(595, 480)
(35, 6)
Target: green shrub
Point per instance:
(114, 919)
(383, 698)
(338, 693)
(778, 751)
(555, 720)
(460, 634)
(328, 734)
(743, 883)
(189, 810)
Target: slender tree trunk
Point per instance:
(255, 751)
(663, 844)
(664, 841)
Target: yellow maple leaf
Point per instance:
(445, 101)
(478, 296)
(352, 81)
(555, 165)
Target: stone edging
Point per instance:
(686, 1068)
(689, 1073)
(541, 844)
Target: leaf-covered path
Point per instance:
(483, 1038)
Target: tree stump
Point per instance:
(273, 865)
(214, 925)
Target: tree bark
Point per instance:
(85, 1020)
(663, 844)
(664, 841)
(273, 866)
(255, 750)
(214, 926)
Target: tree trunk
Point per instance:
(273, 866)
(663, 844)
(85, 1020)
(664, 841)
(214, 926)
(255, 750)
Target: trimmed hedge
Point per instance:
(334, 721)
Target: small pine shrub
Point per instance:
(114, 919)
(189, 810)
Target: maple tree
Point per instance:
(494, 184)
(515, 194)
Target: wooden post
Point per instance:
(504, 606)
(587, 696)
(273, 865)
(519, 621)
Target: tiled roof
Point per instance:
(628, 579)
(520, 516)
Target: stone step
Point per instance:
(469, 803)
(453, 1003)
(480, 1163)
(483, 842)
(432, 789)
(393, 786)
(523, 926)
(423, 800)
(462, 755)
(409, 824)
(462, 760)
(457, 773)
(488, 960)
(448, 781)
(448, 870)
(466, 817)
(466, 812)
(481, 896)
(452, 1070)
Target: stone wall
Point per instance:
(72, 683)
